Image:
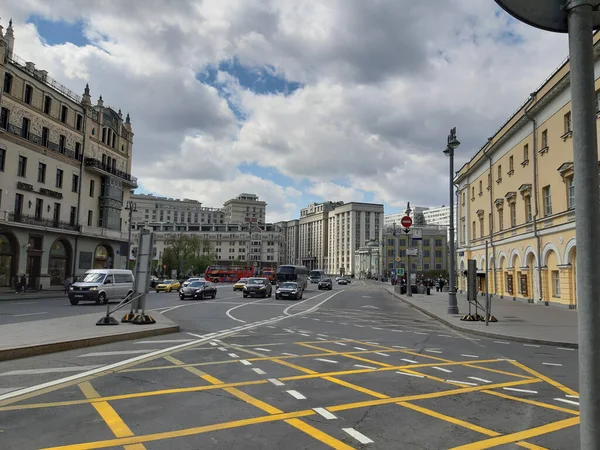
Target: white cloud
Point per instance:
(384, 81)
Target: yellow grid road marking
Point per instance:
(110, 416)
(548, 380)
(533, 402)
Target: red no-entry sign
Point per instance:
(406, 222)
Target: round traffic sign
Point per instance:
(398, 259)
(406, 222)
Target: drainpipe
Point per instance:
(79, 193)
(491, 242)
(535, 194)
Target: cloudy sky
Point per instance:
(294, 100)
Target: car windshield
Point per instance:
(326, 280)
(167, 281)
(243, 280)
(256, 281)
(191, 280)
(94, 277)
(197, 284)
(288, 286)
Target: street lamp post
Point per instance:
(131, 207)
(579, 18)
(452, 145)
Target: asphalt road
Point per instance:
(350, 368)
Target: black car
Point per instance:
(198, 290)
(343, 281)
(288, 289)
(258, 287)
(326, 283)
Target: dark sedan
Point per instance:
(326, 283)
(258, 287)
(343, 281)
(198, 290)
(288, 290)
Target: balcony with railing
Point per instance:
(25, 219)
(104, 169)
(36, 139)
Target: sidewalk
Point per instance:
(8, 294)
(39, 337)
(517, 321)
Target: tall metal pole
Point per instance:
(452, 302)
(487, 286)
(585, 160)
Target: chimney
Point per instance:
(43, 75)
(30, 66)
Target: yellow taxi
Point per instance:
(239, 286)
(168, 286)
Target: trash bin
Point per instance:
(428, 290)
(403, 289)
(413, 289)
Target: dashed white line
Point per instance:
(444, 335)
(375, 328)
(572, 396)
(470, 356)
(30, 314)
(501, 342)
(121, 352)
(526, 391)
(365, 367)
(570, 402)
(270, 326)
(275, 381)
(323, 412)
(340, 343)
(164, 341)
(410, 361)
(372, 343)
(321, 339)
(441, 369)
(343, 323)
(297, 395)
(531, 345)
(357, 435)
(289, 354)
(552, 364)
(381, 354)
(399, 346)
(461, 382)
(411, 374)
(418, 332)
(564, 348)
(259, 371)
(483, 380)
(7, 390)
(321, 334)
(326, 360)
(47, 370)
(304, 334)
(360, 349)
(223, 349)
(433, 351)
(246, 363)
(262, 349)
(213, 343)
(233, 355)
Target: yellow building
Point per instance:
(517, 194)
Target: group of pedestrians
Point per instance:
(20, 284)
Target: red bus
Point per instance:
(227, 274)
(269, 273)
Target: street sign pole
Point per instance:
(406, 222)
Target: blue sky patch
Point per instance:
(60, 32)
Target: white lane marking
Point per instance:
(288, 330)
(30, 314)
(365, 285)
(552, 364)
(360, 348)
(371, 342)
(318, 320)
(441, 369)
(501, 342)
(233, 355)
(526, 391)
(304, 334)
(289, 354)
(223, 349)
(115, 366)
(418, 332)
(433, 351)
(380, 329)
(469, 356)
(200, 336)
(321, 339)
(340, 343)
(564, 400)
(286, 310)
(343, 323)
(262, 349)
(7, 390)
(483, 380)
(397, 331)
(399, 346)
(275, 381)
(444, 335)
(370, 307)
(365, 367)
(321, 334)
(410, 374)
(246, 363)
(326, 360)
(213, 343)
(409, 361)
(297, 395)
(228, 312)
(259, 371)
(120, 352)
(461, 382)
(164, 341)
(381, 354)
(271, 326)
(572, 396)
(47, 370)
(323, 412)
(357, 435)
(531, 345)
(564, 348)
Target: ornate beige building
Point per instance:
(517, 194)
(65, 169)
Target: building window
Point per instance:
(73, 215)
(490, 222)
(513, 215)
(528, 215)
(64, 113)
(544, 139)
(22, 167)
(45, 136)
(597, 101)
(28, 94)
(39, 208)
(438, 242)
(75, 183)
(59, 178)
(525, 154)
(8, 78)
(547, 201)
(25, 128)
(92, 186)
(2, 159)
(90, 218)
(489, 177)
(78, 151)
(41, 173)
(103, 134)
(61, 143)
(499, 180)
(511, 165)
(474, 230)
(481, 227)
(480, 187)
(425, 254)
(47, 104)
(472, 193)
(568, 128)
(500, 219)
(426, 243)
(438, 253)
(4, 119)
(78, 122)
(464, 195)
(570, 193)
(555, 283)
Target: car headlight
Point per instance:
(245, 287)
(198, 290)
(71, 288)
(93, 288)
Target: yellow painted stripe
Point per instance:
(514, 437)
(548, 380)
(110, 416)
(295, 367)
(359, 358)
(533, 402)
(314, 347)
(489, 369)
(530, 446)
(318, 434)
(356, 387)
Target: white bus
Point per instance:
(316, 275)
(298, 274)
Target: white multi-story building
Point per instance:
(169, 214)
(245, 208)
(65, 176)
(390, 219)
(440, 216)
(289, 255)
(313, 230)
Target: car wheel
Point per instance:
(245, 295)
(182, 297)
(277, 297)
(74, 302)
(214, 295)
(102, 299)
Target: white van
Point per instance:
(101, 285)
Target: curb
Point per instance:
(36, 350)
(523, 340)
(36, 296)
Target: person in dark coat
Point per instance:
(24, 284)
(17, 284)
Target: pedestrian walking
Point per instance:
(17, 284)
(67, 284)
(24, 284)
(437, 285)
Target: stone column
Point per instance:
(566, 285)
(545, 293)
